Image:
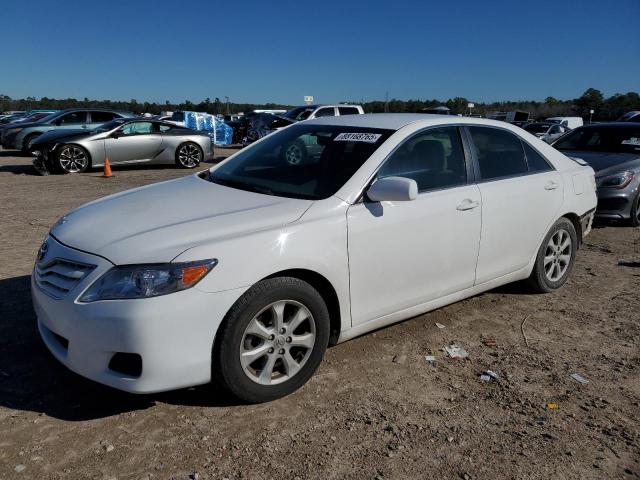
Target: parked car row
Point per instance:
(123, 141)
(20, 136)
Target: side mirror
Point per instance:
(398, 189)
(117, 134)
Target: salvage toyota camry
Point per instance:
(378, 218)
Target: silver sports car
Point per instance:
(122, 141)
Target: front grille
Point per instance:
(58, 277)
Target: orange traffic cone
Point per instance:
(107, 169)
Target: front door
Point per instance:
(402, 254)
(135, 142)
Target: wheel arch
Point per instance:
(72, 144)
(30, 134)
(575, 220)
(326, 291)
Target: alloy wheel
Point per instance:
(293, 155)
(189, 155)
(277, 342)
(73, 159)
(557, 255)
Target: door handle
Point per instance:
(467, 204)
(551, 185)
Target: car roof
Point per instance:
(395, 121)
(612, 124)
(83, 109)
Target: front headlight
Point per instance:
(11, 131)
(619, 180)
(144, 281)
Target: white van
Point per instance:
(571, 122)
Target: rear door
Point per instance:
(521, 195)
(138, 141)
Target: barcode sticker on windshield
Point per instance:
(358, 137)
(632, 141)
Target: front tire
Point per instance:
(272, 340)
(555, 258)
(189, 155)
(73, 159)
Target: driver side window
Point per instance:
(434, 159)
(73, 118)
(137, 128)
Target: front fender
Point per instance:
(316, 242)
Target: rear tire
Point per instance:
(189, 155)
(259, 354)
(555, 258)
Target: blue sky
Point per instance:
(270, 50)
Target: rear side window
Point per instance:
(102, 117)
(434, 159)
(535, 161)
(325, 112)
(348, 111)
(137, 128)
(499, 153)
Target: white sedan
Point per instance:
(246, 272)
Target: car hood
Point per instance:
(60, 135)
(24, 125)
(601, 161)
(157, 222)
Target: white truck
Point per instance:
(571, 122)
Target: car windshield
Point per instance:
(105, 127)
(536, 128)
(628, 116)
(618, 139)
(298, 113)
(303, 161)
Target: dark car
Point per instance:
(263, 124)
(613, 151)
(630, 117)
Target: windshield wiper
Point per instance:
(240, 185)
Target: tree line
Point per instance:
(608, 108)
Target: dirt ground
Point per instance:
(374, 410)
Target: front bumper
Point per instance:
(12, 141)
(173, 334)
(616, 204)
